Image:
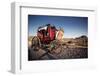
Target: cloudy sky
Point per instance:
(73, 26)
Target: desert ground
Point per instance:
(70, 48)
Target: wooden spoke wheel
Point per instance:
(36, 44)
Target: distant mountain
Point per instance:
(82, 40)
(79, 41)
(82, 37)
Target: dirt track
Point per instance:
(67, 53)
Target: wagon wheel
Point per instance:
(55, 47)
(36, 44)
